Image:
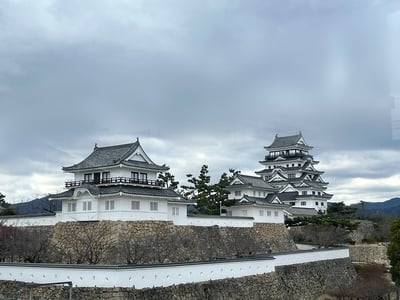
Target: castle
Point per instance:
(121, 182)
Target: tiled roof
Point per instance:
(255, 200)
(111, 156)
(287, 141)
(105, 156)
(132, 190)
(285, 196)
(299, 211)
(142, 164)
(255, 181)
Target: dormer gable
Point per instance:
(236, 181)
(288, 188)
(277, 175)
(280, 158)
(84, 192)
(244, 200)
(276, 200)
(138, 154)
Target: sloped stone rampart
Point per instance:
(166, 242)
(301, 281)
(370, 253)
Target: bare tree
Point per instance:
(241, 242)
(371, 284)
(133, 249)
(85, 242)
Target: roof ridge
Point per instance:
(255, 177)
(131, 149)
(117, 146)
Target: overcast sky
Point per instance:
(200, 82)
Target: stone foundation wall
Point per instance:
(370, 253)
(302, 281)
(117, 242)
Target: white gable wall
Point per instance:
(260, 214)
(312, 203)
(247, 191)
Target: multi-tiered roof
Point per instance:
(289, 166)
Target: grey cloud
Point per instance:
(74, 73)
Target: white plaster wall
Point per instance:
(181, 218)
(248, 192)
(117, 172)
(32, 221)
(280, 218)
(216, 221)
(310, 256)
(159, 275)
(122, 209)
(254, 211)
(310, 203)
(123, 172)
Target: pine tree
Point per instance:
(168, 180)
(209, 197)
(394, 251)
(5, 208)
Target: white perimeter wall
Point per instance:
(160, 275)
(216, 221)
(32, 221)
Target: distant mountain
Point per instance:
(388, 208)
(38, 206)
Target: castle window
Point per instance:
(238, 193)
(154, 206)
(261, 213)
(319, 193)
(292, 203)
(316, 203)
(135, 176)
(109, 205)
(268, 213)
(303, 203)
(322, 204)
(313, 192)
(86, 205)
(291, 176)
(71, 206)
(135, 205)
(276, 213)
(143, 177)
(87, 177)
(229, 213)
(254, 193)
(105, 176)
(175, 211)
(304, 192)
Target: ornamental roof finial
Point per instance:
(95, 146)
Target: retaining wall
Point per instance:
(299, 281)
(162, 275)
